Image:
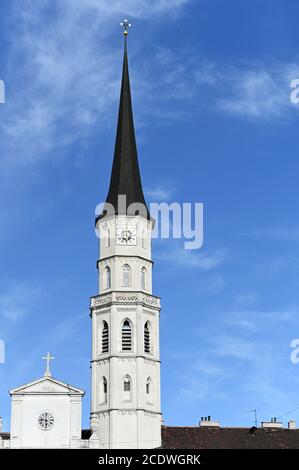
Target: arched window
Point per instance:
(107, 279)
(147, 339)
(143, 278)
(103, 390)
(105, 337)
(127, 390)
(127, 384)
(126, 275)
(126, 336)
(148, 386)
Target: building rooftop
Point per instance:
(178, 437)
(229, 438)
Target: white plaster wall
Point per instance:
(25, 431)
(16, 422)
(75, 421)
(150, 425)
(103, 430)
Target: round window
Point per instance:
(46, 421)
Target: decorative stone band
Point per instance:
(104, 414)
(126, 359)
(127, 298)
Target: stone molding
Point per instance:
(105, 360)
(110, 260)
(125, 298)
(132, 411)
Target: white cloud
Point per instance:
(159, 193)
(215, 284)
(255, 94)
(202, 260)
(202, 378)
(17, 300)
(237, 340)
(65, 83)
(66, 328)
(279, 233)
(254, 321)
(247, 299)
(258, 91)
(206, 368)
(232, 346)
(135, 8)
(65, 80)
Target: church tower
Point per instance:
(125, 409)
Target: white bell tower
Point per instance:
(125, 410)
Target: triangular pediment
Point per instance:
(47, 386)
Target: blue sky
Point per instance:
(214, 122)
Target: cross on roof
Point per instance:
(48, 358)
(126, 25)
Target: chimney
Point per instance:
(292, 424)
(273, 424)
(205, 421)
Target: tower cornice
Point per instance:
(125, 298)
(131, 257)
(107, 357)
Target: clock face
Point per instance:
(46, 421)
(126, 236)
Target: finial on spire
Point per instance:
(126, 25)
(48, 358)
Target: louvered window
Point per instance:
(105, 338)
(147, 342)
(126, 336)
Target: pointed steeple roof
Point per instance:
(125, 177)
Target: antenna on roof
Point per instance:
(255, 416)
(289, 412)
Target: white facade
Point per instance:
(46, 414)
(125, 339)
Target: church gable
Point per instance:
(47, 385)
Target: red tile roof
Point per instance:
(221, 438)
(229, 438)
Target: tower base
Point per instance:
(127, 429)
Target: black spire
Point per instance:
(125, 176)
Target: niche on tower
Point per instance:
(127, 389)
